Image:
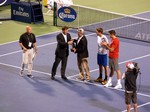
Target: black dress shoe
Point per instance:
(64, 77)
(30, 76)
(52, 77)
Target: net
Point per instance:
(126, 26)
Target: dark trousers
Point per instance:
(63, 65)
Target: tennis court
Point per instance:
(41, 94)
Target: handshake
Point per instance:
(74, 44)
(70, 42)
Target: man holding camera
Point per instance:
(130, 77)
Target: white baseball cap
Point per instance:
(80, 30)
(130, 65)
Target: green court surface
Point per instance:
(121, 6)
(11, 30)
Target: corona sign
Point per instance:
(67, 14)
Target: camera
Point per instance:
(136, 68)
(133, 66)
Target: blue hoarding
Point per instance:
(67, 14)
(21, 12)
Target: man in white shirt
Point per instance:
(62, 52)
(102, 58)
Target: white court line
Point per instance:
(36, 37)
(138, 106)
(3, 2)
(14, 52)
(141, 94)
(136, 14)
(145, 95)
(78, 74)
(45, 73)
(133, 59)
(25, 69)
(21, 50)
(90, 71)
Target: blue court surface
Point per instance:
(41, 94)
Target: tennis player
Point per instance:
(102, 58)
(113, 59)
(28, 45)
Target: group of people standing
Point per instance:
(62, 52)
(27, 42)
(81, 49)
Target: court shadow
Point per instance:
(41, 78)
(81, 89)
(40, 85)
(62, 81)
(102, 105)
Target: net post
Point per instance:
(78, 17)
(55, 15)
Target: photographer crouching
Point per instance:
(130, 76)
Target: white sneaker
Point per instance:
(87, 80)
(118, 86)
(108, 84)
(21, 73)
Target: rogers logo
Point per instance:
(3, 2)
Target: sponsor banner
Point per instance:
(67, 14)
(143, 37)
(21, 12)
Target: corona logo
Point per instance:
(67, 11)
(3, 2)
(67, 14)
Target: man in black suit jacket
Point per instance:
(62, 52)
(81, 49)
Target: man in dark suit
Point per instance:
(81, 49)
(62, 52)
